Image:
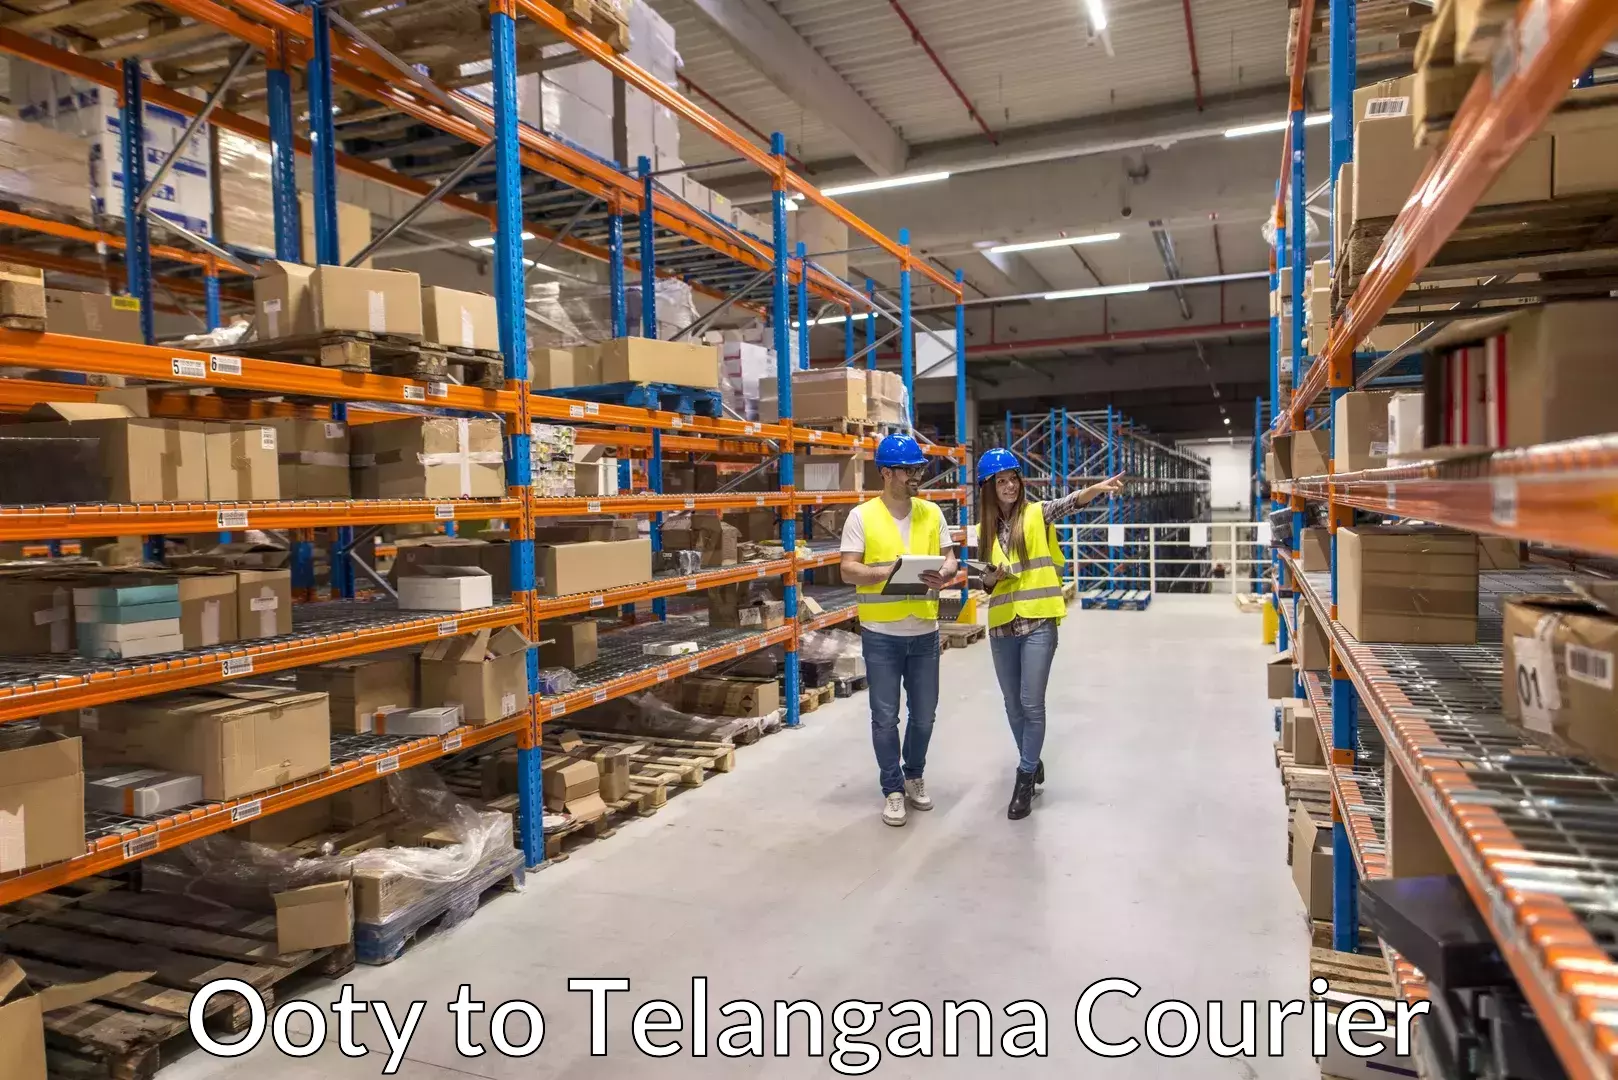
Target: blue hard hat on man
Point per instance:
(996, 461)
(899, 451)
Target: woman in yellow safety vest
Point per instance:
(1017, 538)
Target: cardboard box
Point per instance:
(361, 686)
(829, 394)
(1306, 748)
(36, 613)
(41, 802)
(832, 472)
(424, 720)
(419, 552)
(446, 588)
(612, 765)
(637, 359)
(1312, 651)
(236, 555)
(144, 459)
(312, 458)
(1387, 167)
(263, 603)
(1558, 673)
(208, 607)
(1302, 453)
(591, 566)
(1398, 583)
(726, 608)
(485, 673)
(22, 1016)
(885, 402)
(706, 533)
(240, 739)
(243, 462)
(688, 478)
(1406, 423)
(373, 301)
(1311, 863)
(1315, 548)
(139, 792)
(1560, 379)
(1499, 553)
(431, 458)
(93, 315)
(578, 530)
(550, 369)
(357, 805)
(730, 697)
(571, 786)
(1413, 848)
(1280, 677)
(1584, 159)
(286, 827)
(353, 229)
(282, 304)
(754, 525)
(1360, 430)
(1342, 209)
(570, 643)
(22, 291)
(314, 917)
(464, 320)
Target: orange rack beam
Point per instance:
(113, 519)
(831, 618)
(579, 603)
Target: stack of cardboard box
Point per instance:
(1407, 584)
(430, 458)
(127, 620)
(484, 674)
(831, 394)
(360, 687)
(1558, 670)
(292, 300)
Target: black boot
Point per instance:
(1022, 796)
(1039, 772)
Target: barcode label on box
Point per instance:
(599, 696)
(508, 704)
(237, 665)
(448, 627)
(334, 431)
(225, 365)
(266, 438)
(592, 407)
(415, 393)
(141, 845)
(444, 512)
(598, 601)
(388, 764)
(1503, 500)
(189, 369)
(233, 519)
(690, 504)
(451, 743)
(438, 389)
(575, 410)
(558, 709)
(1589, 665)
(247, 811)
(1378, 108)
(592, 508)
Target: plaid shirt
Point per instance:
(1054, 510)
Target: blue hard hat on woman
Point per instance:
(899, 451)
(996, 461)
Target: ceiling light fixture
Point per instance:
(1270, 126)
(1065, 241)
(1099, 290)
(1098, 15)
(885, 182)
(824, 320)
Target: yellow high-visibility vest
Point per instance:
(1034, 590)
(882, 545)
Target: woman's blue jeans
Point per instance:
(1023, 666)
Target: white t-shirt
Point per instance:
(854, 544)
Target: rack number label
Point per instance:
(690, 584)
(741, 650)
(1503, 500)
(189, 369)
(599, 696)
(597, 601)
(592, 507)
(233, 519)
(677, 423)
(759, 501)
(761, 571)
(141, 845)
(448, 627)
(690, 504)
(388, 764)
(415, 393)
(575, 410)
(1534, 669)
(751, 429)
(225, 365)
(246, 811)
(558, 709)
(438, 389)
(444, 512)
(451, 743)
(237, 665)
(691, 665)
(593, 408)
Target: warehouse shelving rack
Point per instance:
(675, 240)
(1520, 825)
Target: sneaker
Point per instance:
(893, 812)
(916, 794)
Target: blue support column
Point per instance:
(323, 139)
(654, 482)
(1112, 500)
(615, 275)
(780, 321)
(962, 436)
(341, 569)
(1345, 890)
(514, 344)
(1298, 193)
(1344, 60)
(907, 359)
(803, 307)
(210, 284)
(648, 255)
(283, 159)
(870, 325)
(137, 240)
(848, 335)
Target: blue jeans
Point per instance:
(889, 661)
(1023, 666)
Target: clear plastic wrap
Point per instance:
(649, 714)
(43, 168)
(246, 208)
(557, 680)
(828, 645)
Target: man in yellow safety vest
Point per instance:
(899, 633)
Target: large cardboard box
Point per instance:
(493, 559)
(550, 369)
(574, 786)
(348, 298)
(591, 566)
(830, 394)
(1312, 651)
(445, 588)
(707, 533)
(286, 827)
(1360, 430)
(1315, 549)
(431, 458)
(143, 459)
(313, 458)
(22, 291)
(485, 673)
(243, 462)
(464, 320)
(1584, 160)
(1399, 583)
(1311, 863)
(263, 603)
(22, 1016)
(282, 304)
(93, 315)
(1407, 426)
(638, 359)
(314, 917)
(357, 805)
(353, 229)
(41, 802)
(1560, 379)
(361, 686)
(886, 400)
(1306, 748)
(238, 738)
(208, 607)
(1558, 672)
(36, 612)
(1499, 553)
(568, 643)
(1280, 677)
(730, 696)
(1301, 453)
(833, 472)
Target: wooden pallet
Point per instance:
(32, 324)
(609, 24)
(960, 635)
(1352, 973)
(687, 400)
(476, 367)
(813, 697)
(384, 354)
(1115, 600)
(383, 943)
(93, 927)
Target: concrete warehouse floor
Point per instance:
(1156, 853)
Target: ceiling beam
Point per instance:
(782, 56)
